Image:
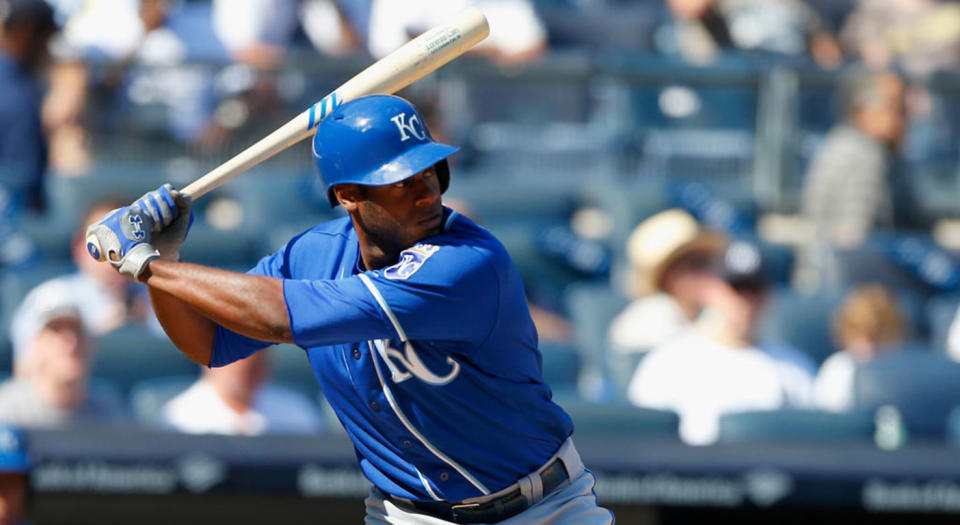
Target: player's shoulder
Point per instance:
(463, 252)
(337, 228)
(463, 235)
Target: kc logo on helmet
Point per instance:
(412, 124)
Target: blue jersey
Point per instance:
(431, 364)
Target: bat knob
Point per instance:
(93, 248)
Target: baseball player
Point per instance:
(413, 318)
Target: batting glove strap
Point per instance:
(135, 261)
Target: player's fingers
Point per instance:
(167, 204)
(148, 207)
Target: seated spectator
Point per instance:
(718, 367)
(27, 27)
(162, 41)
(670, 257)
(336, 27)
(237, 399)
(106, 299)
(516, 33)
(255, 32)
(847, 192)
(920, 36)
(705, 28)
(868, 322)
(15, 466)
(51, 386)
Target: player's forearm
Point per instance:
(190, 332)
(251, 305)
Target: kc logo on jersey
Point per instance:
(412, 124)
(415, 367)
(411, 260)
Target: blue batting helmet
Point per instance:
(376, 141)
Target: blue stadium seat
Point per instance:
(923, 386)
(561, 367)
(208, 246)
(623, 419)
(527, 201)
(148, 397)
(289, 365)
(132, 354)
(796, 426)
(871, 263)
(271, 197)
(533, 99)
(953, 427)
(591, 308)
(902, 261)
(70, 197)
(801, 321)
(628, 202)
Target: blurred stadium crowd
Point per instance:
(736, 219)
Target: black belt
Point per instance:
(492, 511)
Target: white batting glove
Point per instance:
(122, 238)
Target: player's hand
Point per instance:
(160, 205)
(169, 239)
(122, 238)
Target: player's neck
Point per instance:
(375, 252)
(374, 257)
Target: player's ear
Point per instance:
(348, 195)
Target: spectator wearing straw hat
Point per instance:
(670, 256)
(719, 367)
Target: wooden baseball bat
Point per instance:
(409, 63)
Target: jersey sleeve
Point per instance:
(448, 293)
(229, 346)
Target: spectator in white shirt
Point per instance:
(516, 33)
(868, 322)
(238, 400)
(718, 368)
(670, 257)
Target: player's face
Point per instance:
(398, 215)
